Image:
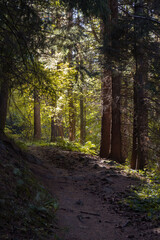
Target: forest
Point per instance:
(79, 87)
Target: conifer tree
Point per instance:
(106, 87)
(20, 37)
(140, 128)
(116, 140)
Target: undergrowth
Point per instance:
(88, 148)
(145, 197)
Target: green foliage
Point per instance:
(88, 148)
(146, 197)
(55, 76)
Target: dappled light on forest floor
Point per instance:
(91, 192)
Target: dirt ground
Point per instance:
(88, 191)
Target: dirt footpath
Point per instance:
(88, 191)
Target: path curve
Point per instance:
(88, 191)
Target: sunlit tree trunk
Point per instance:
(37, 117)
(61, 130)
(56, 129)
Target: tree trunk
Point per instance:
(37, 117)
(53, 130)
(72, 116)
(140, 130)
(61, 130)
(116, 141)
(72, 110)
(142, 115)
(56, 130)
(135, 128)
(82, 119)
(106, 115)
(125, 119)
(106, 89)
(140, 127)
(4, 88)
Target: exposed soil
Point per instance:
(88, 191)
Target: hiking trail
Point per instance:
(88, 190)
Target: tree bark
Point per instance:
(140, 129)
(106, 115)
(72, 110)
(125, 120)
(56, 129)
(135, 128)
(116, 141)
(37, 117)
(82, 119)
(72, 115)
(106, 89)
(142, 116)
(61, 130)
(53, 130)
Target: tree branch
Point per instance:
(141, 17)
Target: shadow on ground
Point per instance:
(89, 192)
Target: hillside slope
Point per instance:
(27, 210)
